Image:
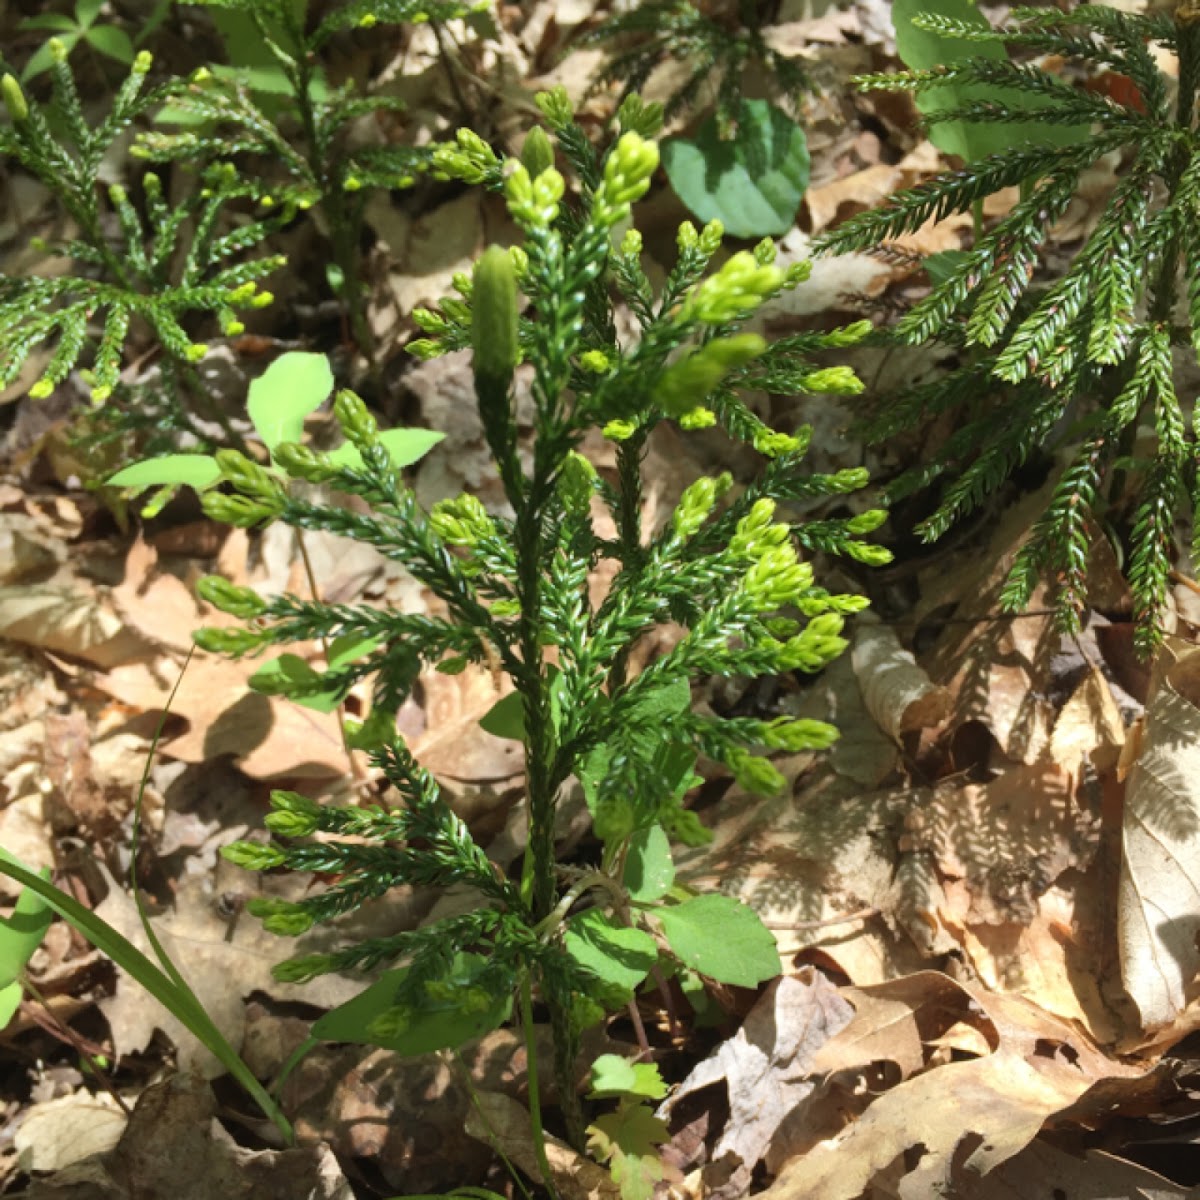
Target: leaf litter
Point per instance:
(986, 895)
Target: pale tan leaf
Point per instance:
(497, 1119)
(966, 1118)
(57, 1133)
(898, 694)
(766, 1065)
(1159, 892)
(1089, 726)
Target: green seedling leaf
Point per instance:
(53, 22)
(923, 50)
(199, 471)
(506, 718)
(628, 1141)
(721, 938)
(618, 955)
(404, 446)
(454, 1010)
(110, 40)
(350, 647)
(752, 184)
(613, 1075)
(649, 871)
(20, 935)
(86, 11)
(294, 385)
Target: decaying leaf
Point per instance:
(898, 694)
(767, 1065)
(173, 1146)
(938, 1132)
(1159, 891)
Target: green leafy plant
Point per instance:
(628, 1138)
(160, 264)
(227, 112)
(20, 936)
(1089, 357)
(748, 164)
(109, 40)
(727, 567)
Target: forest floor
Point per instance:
(986, 896)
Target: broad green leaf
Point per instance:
(86, 11)
(54, 22)
(404, 447)
(506, 718)
(752, 184)
(628, 1141)
(294, 385)
(613, 1075)
(454, 1011)
(721, 938)
(199, 471)
(649, 871)
(618, 954)
(923, 50)
(43, 57)
(110, 40)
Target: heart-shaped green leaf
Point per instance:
(752, 184)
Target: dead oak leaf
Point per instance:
(961, 1120)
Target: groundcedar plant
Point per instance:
(1089, 358)
(728, 566)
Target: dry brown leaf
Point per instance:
(1089, 726)
(161, 608)
(898, 694)
(497, 1119)
(1043, 1170)
(66, 618)
(767, 1065)
(1159, 891)
(268, 737)
(223, 960)
(174, 1147)
(965, 1118)
(57, 1133)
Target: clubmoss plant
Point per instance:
(718, 47)
(1091, 358)
(728, 566)
(153, 261)
(318, 165)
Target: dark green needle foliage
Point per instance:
(728, 566)
(135, 256)
(306, 140)
(718, 46)
(1092, 354)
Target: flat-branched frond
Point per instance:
(717, 54)
(1084, 337)
(149, 260)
